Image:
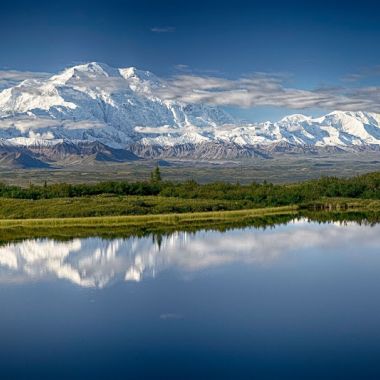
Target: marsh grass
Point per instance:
(104, 205)
(342, 204)
(24, 219)
(159, 225)
(126, 226)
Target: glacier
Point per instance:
(123, 108)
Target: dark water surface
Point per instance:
(294, 301)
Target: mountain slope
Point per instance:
(18, 157)
(96, 102)
(123, 109)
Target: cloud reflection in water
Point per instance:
(95, 262)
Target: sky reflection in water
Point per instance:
(294, 301)
(95, 262)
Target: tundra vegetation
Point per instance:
(157, 196)
(363, 186)
(123, 209)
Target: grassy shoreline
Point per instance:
(107, 208)
(160, 197)
(134, 220)
(341, 204)
(141, 225)
(325, 210)
(107, 205)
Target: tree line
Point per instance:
(265, 194)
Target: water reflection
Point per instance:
(95, 262)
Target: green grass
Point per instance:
(125, 226)
(146, 220)
(103, 205)
(40, 224)
(343, 204)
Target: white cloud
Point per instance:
(163, 29)
(257, 89)
(9, 78)
(363, 73)
(261, 89)
(96, 262)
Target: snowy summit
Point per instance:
(123, 107)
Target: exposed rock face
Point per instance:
(19, 157)
(206, 151)
(118, 114)
(65, 149)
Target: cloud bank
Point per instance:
(9, 78)
(261, 89)
(256, 90)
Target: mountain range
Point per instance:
(122, 114)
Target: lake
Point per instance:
(300, 300)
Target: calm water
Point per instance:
(295, 301)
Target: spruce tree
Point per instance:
(155, 175)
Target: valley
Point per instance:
(280, 169)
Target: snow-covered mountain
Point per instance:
(124, 109)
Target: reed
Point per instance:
(126, 226)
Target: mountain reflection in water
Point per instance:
(95, 262)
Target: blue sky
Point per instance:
(312, 45)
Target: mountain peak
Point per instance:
(96, 68)
(129, 72)
(295, 118)
(120, 107)
(134, 73)
(89, 70)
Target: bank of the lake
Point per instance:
(163, 197)
(325, 210)
(105, 207)
(139, 225)
(112, 209)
